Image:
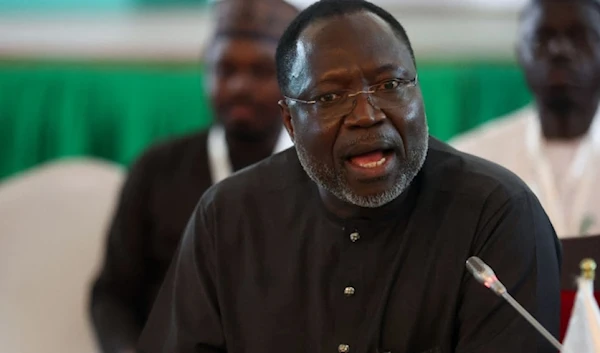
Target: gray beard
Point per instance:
(336, 183)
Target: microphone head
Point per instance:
(485, 275)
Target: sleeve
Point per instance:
(186, 316)
(115, 311)
(518, 242)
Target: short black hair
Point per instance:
(321, 10)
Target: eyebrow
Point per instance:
(386, 68)
(334, 76)
(341, 75)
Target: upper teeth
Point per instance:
(373, 164)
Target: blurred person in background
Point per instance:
(165, 184)
(554, 145)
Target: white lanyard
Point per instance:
(580, 177)
(218, 152)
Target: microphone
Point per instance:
(486, 276)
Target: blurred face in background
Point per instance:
(559, 51)
(242, 86)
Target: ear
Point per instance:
(287, 118)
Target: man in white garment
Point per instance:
(554, 144)
(165, 184)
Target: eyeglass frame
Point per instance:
(355, 94)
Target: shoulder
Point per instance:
(163, 157)
(172, 150)
(260, 184)
(497, 201)
(471, 178)
(167, 155)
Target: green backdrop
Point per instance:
(50, 110)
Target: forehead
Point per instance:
(358, 42)
(561, 15)
(240, 49)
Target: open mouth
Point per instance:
(372, 159)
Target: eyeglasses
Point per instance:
(385, 95)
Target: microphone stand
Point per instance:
(532, 320)
(486, 276)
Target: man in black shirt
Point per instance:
(356, 240)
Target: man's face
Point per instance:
(559, 51)
(367, 149)
(242, 85)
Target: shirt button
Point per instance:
(349, 291)
(343, 348)
(354, 237)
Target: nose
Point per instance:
(560, 47)
(364, 114)
(239, 83)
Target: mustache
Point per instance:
(372, 138)
(573, 77)
(225, 106)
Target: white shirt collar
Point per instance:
(218, 152)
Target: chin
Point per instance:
(374, 192)
(369, 189)
(374, 200)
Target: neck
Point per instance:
(567, 124)
(243, 153)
